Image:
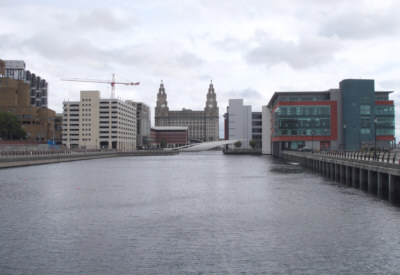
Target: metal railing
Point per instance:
(382, 157)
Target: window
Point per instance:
(365, 110)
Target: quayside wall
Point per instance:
(37, 159)
(377, 177)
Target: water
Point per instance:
(192, 213)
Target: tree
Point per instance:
(10, 128)
(163, 143)
(253, 144)
(238, 144)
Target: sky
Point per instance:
(248, 48)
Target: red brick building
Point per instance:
(173, 136)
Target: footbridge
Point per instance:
(204, 146)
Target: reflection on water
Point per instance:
(191, 213)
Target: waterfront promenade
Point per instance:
(26, 158)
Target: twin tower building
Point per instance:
(202, 125)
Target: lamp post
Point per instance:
(375, 122)
(344, 137)
(312, 142)
(325, 130)
(304, 143)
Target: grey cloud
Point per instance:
(358, 25)
(187, 59)
(250, 93)
(307, 52)
(247, 93)
(229, 44)
(102, 19)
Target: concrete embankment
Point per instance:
(242, 152)
(380, 176)
(27, 160)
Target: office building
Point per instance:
(242, 124)
(202, 125)
(143, 124)
(239, 122)
(256, 128)
(94, 123)
(16, 69)
(353, 117)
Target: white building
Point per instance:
(240, 122)
(94, 123)
(266, 130)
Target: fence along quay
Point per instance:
(376, 174)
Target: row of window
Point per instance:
(303, 111)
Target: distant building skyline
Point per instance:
(202, 125)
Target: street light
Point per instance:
(344, 137)
(312, 142)
(325, 130)
(375, 122)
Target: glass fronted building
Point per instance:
(353, 117)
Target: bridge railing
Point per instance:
(383, 157)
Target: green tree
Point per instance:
(253, 144)
(238, 144)
(10, 128)
(163, 143)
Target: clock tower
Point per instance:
(161, 109)
(212, 115)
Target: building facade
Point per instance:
(353, 117)
(243, 124)
(16, 69)
(169, 136)
(202, 125)
(143, 124)
(256, 128)
(38, 122)
(95, 123)
(2, 68)
(239, 122)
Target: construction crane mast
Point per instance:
(112, 82)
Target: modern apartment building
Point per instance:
(94, 123)
(353, 117)
(202, 125)
(38, 87)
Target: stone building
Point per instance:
(202, 125)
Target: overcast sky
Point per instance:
(248, 48)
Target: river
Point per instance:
(198, 213)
